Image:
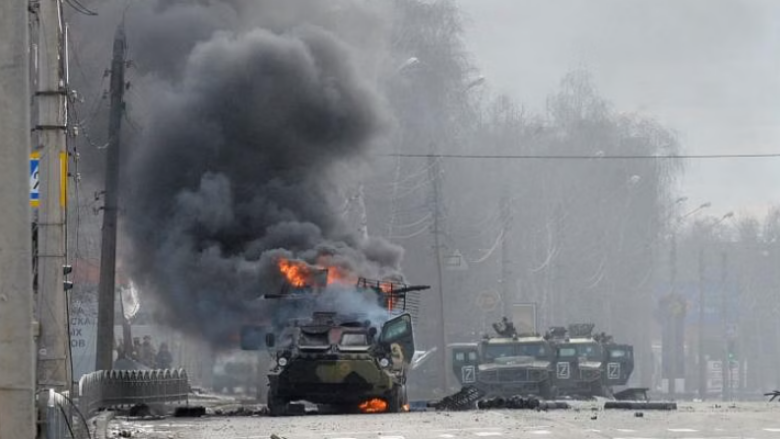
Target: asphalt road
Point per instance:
(691, 421)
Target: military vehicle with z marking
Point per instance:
(564, 362)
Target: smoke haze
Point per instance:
(249, 122)
(247, 133)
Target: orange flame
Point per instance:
(374, 405)
(296, 272)
(337, 275)
(387, 288)
(300, 274)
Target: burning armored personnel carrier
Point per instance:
(508, 364)
(351, 362)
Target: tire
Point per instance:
(547, 391)
(276, 406)
(397, 399)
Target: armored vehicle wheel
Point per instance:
(276, 406)
(397, 399)
(599, 389)
(547, 391)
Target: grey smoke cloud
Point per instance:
(238, 164)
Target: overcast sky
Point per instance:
(709, 69)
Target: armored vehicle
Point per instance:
(348, 361)
(509, 364)
(589, 364)
(343, 362)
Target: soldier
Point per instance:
(135, 355)
(147, 352)
(164, 357)
(120, 350)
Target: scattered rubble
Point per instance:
(633, 394)
(139, 411)
(189, 412)
(465, 399)
(239, 411)
(520, 403)
(640, 405)
(469, 398)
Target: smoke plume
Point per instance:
(240, 161)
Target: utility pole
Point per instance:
(435, 170)
(556, 281)
(702, 360)
(506, 259)
(107, 287)
(51, 129)
(673, 326)
(725, 364)
(17, 350)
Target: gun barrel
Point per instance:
(411, 289)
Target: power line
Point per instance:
(80, 8)
(586, 157)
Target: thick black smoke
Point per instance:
(240, 160)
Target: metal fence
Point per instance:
(122, 388)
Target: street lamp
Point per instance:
(700, 329)
(694, 211)
(673, 288)
(445, 360)
(360, 198)
(478, 81)
(725, 217)
(727, 339)
(410, 62)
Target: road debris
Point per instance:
(465, 399)
(521, 403)
(189, 412)
(469, 398)
(640, 405)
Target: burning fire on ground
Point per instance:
(374, 405)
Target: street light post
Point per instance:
(700, 330)
(674, 336)
(726, 362)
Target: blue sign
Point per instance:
(35, 190)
